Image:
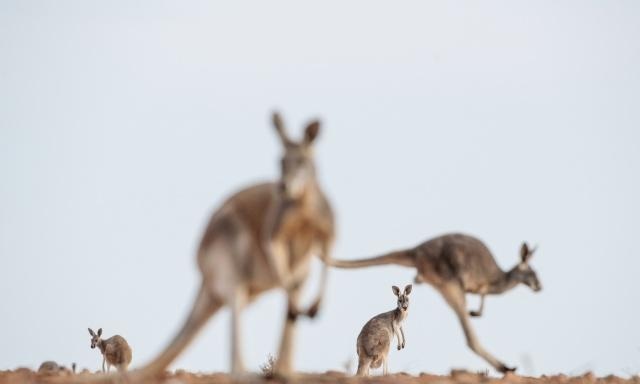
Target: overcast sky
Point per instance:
(123, 125)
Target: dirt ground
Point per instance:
(24, 375)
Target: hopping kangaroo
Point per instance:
(456, 264)
(377, 334)
(115, 350)
(263, 237)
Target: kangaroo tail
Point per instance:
(203, 308)
(405, 258)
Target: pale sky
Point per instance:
(123, 125)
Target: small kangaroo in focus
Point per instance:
(456, 264)
(263, 237)
(115, 350)
(377, 334)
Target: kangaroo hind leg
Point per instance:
(454, 295)
(363, 366)
(203, 308)
(238, 301)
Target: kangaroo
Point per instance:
(457, 264)
(115, 350)
(262, 237)
(377, 334)
(50, 367)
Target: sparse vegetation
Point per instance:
(268, 367)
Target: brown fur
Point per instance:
(375, 338)
(261, 238)
(49, 367)
(53, 368)
(115, 350)
(456, 264)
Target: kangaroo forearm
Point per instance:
(396, 333)
(276, 258)
(480, 310)
(313, 309)
(323, 282)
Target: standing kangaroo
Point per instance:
(456, 264)
(377, 334)
(115, 350)
(263, 237)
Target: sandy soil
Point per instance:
(24, 375)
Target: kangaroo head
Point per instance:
(95, 337)
(296, 166)
(523, 273)
(403, 297)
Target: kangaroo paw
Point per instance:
(292, 314)
(504, 369)
(313, 310)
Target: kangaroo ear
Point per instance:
(396, 290)
(311, 132)
(524, 252)
(99, 331)
(407, 289)
(279, 125)
(91, 331)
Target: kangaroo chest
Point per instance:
(300, 239)
(102, 346)
(300, 232)
(399, 317)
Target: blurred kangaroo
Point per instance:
(115, 350)
(456, 264)
(51, 368)
(262, 237)
(377, 334)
